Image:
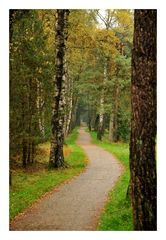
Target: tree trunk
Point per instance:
(68, 104)
(115, 117)
(24, 137)
(96, 122)
(111, 128)
(143, 124)
(10, 177)
(69, 117)
(101, 118)
(39, 105)
(57, 139)
(73, 115)
(29, 118)
(29, 151)
(24, 153)
(100, 130)
(89, 121)
(33, 152)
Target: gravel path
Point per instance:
(76, 205)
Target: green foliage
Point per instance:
(123, 125)
(117, 214)
(28, 187)
(31, 74)
(32, 43)
(89, 45)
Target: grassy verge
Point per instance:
(28, 186)
(117, 214)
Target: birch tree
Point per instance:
(57, 138)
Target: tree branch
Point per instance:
(101, 17)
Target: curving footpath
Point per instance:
(75, 205)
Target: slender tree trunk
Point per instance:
(143, 124)
(24, 153)
(89, 119)
(33, 152)
(39, 105)
(93, 117)
(101, 117)
(66, 102)
(111, 128)
(11, 12)
(96, 122)
(78, 116)
(29, 152)
(115, 118)
(10, 177)
(73, 116)
(24, 137)
(68, 105)
(29, 118)
(100, 130)
(57, 139)
(69, 116)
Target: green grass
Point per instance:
(30, 186)
(117, 214)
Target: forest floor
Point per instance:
(75, 205)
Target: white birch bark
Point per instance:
(57, 139)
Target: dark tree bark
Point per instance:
(96, 122)
(143, 124)
(57, 139)
(100, 130)
(24, 153)
(10, 178)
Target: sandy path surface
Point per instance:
(76, 205)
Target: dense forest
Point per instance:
(96, 75)
(72, 68)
